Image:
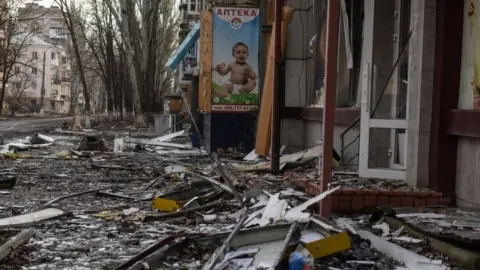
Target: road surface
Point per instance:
(25, 125)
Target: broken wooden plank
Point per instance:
(15, 242)
(34, 217)
(262, 140)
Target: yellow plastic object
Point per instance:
(14, 156)
(329, 245)
(165, 204)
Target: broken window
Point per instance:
(348, 56)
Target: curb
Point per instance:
(348, 201)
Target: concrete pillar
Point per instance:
(420, 89)
(299, 70)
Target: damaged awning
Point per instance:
(184, 47)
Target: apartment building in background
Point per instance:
(44, 76)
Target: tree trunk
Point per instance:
(2, 97)
(140, 119)
(70, 24)
(110, 73)
(4, 88)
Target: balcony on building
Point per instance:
(56, 80)
(192, 8)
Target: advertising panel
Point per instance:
(235, 59)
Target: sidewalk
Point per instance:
(33, 115)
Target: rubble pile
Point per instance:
(115, 200)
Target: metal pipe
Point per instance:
(149, 250)
(342, 136)
(333, 14)
(194, 102)
(275, 135)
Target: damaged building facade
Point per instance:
(360, 86)
(384, 85)
(396, 113)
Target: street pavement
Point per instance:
(25, 125)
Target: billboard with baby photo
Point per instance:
(235, 59)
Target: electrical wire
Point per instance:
(299, 82)
(372, 115)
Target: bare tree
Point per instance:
(71, 15)
(125, 44)
(168, 31)
(15, 94)
(100, 40)
(144, 26)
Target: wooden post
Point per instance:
(205, 63)
(333, 13)
(275, 130)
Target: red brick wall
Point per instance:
(348, 201)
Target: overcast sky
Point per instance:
(46, 3)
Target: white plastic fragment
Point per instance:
(384, 227)
(168, 137)
(274, 211)
(407, 239)
(412, 260)
(118, 145)
(296, 213)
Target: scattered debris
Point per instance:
(41, 139)
(74, 195)
(121, 191)
(412, 260)
(92, 143)
(8, 181)
(15, 242)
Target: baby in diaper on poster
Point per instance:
(242, 77)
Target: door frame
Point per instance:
(368, 85)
